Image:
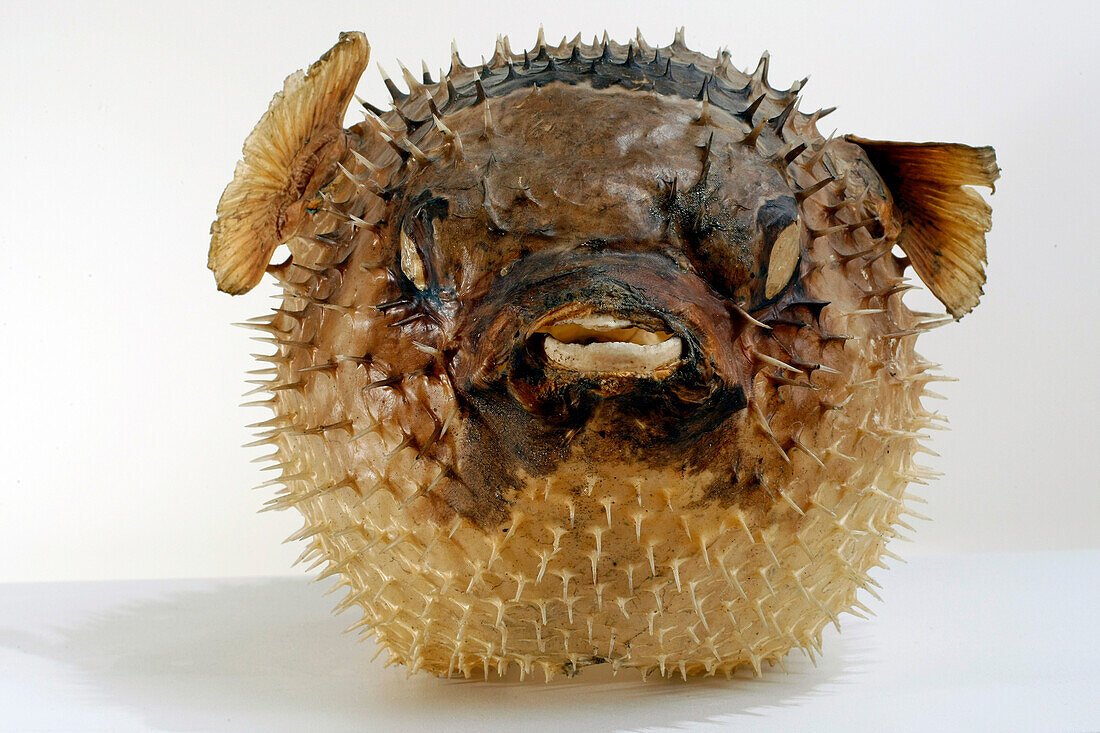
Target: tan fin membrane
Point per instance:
(943, 220)
(281, 157)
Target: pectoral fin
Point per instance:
(944, 221)
(288, 151)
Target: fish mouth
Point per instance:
(579, 339)
(606, 344)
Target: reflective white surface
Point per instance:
(962, 642)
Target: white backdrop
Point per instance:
(121, 374)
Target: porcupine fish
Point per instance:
(595, 353)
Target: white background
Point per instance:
(121, 374)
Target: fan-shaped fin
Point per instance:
(943, 220)
(292, 146)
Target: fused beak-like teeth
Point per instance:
(604, 344)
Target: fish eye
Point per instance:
(783, 259)
(412, 265)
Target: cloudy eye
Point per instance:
(411, 264)
(783, 260)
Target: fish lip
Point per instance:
(554, 387)
(587, 340)
(589, 314)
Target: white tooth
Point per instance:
(603, 328)
(613, 356)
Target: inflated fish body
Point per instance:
(594, 354)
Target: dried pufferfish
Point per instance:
(595, 353)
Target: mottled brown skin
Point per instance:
(625, 223)
(487, 506)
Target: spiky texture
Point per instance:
(640, 564)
